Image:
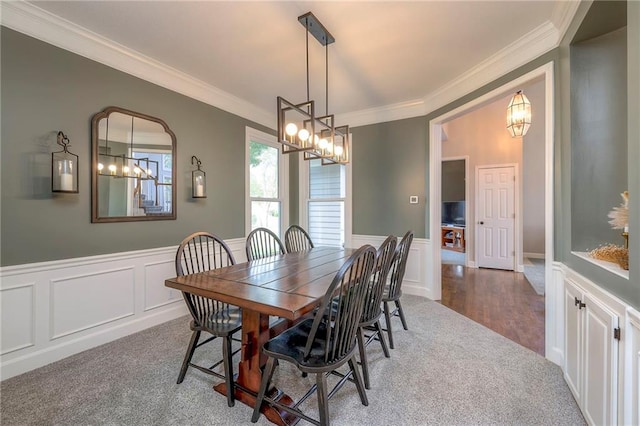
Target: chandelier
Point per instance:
(518, 115)
(300, 129)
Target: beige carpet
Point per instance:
(446, 370)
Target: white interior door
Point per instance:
(496, 217)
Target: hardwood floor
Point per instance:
(500, 300)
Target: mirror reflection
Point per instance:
(133, 167)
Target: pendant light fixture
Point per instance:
(518, 115)
(299, 128)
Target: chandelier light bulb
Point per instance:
(125, 170)
(112, 169)
(322, 143)
(149, 172)
(291, 129)
(338, 150)
(137, 170)
(303, 134)
(100, 167)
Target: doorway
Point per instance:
(453, 238)
(552, 302)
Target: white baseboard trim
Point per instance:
(49, 354)
(533, 255)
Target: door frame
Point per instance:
(553, 312)
(469, 239)
(517, 211)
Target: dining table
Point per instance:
(274, 293)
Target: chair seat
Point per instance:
(221, 323)
(290, 346)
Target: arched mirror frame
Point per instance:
(95, 211)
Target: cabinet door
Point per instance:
(600, 364)
(573, 338)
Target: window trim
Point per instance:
(255, 135)
(303, 195)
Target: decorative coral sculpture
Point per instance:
(612, 253)
(620, 215)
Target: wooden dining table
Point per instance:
(285, 286)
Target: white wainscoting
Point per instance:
(51, 310)
(631, 399)
(418, 263)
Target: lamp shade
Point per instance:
(518, 115)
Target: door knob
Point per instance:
(481, 223)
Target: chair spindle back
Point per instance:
(371, 310)
(261, 243)
(200, 252)
(398, 265)
(338, 317)
(297, 239)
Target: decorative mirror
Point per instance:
(133, 171)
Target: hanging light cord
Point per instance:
(307, 45)
(326, 74)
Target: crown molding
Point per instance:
(562, 15)
(398, 111)
(42, 25)
(537, 42)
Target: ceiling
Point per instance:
(385, 53)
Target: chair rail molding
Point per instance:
(120, 294)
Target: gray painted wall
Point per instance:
(46, 89)
(390, 163)
(599, 137)
(626, 289)
(453, 180)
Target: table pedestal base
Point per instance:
(273, 414)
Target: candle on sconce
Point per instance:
(66, 175)
(199, 190)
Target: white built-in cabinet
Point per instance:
(591, 354)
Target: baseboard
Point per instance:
(40, 358)
(534, 255)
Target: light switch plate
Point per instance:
(413, 199)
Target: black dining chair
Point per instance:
(321, 344)
(297, 239)
(199, 252)
(371, 311)
(263, 242)
(393, 291)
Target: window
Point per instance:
(266, 189)
(326, 205)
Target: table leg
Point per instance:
(255, 332)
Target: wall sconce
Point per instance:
(518, 115)
(198, 180)
(64, 167)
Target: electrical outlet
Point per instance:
(413, 199)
